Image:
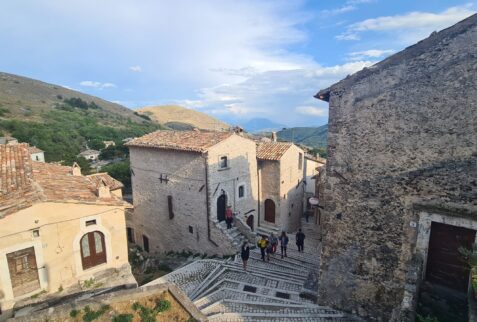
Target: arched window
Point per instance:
(93, 249)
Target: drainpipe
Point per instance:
(207, 201)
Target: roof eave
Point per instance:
(324, 94)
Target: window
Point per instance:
(90, 222)
(169, 205)
(223, 162)
(191, 229)
(37, 158)
(300, 161)
(145, 243)
(93, 251)
(130, 233)
(241, 191)
(36, 233)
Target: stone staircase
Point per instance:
(276, 290)
(234, 235)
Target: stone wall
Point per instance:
(292, 187)
(270, 188)
(185, 172)
(401, 133)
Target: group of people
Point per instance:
(268, 246)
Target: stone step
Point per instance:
(274, 261)
(293, 258)
(270, 316)
(266, 273)
(206, 282)
(240, 306)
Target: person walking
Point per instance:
(300, 240)
(274, 241)
(283, 243)
(262, 244)
(245, 254)
(229, 217)
(269, 250)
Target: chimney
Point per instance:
(238, 130)
(103, 190)
(274, 136)
(75, 169)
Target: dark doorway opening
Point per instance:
(23, 271)
(443, 294)
(250, 222)
(269, 211)
(221, 204)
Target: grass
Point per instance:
(123, 318)
(90, 315)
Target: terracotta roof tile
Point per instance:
(24, 182)
(112, 183)
(272, 150)
(194, 141)
(34, 149)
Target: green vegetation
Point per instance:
(88, 283)
(144, 116)
(74, 313)
(320, 151)
(148, 314)
(70, 128)
(123, 318)
(90, 315)
(427, 318)
(114, 151)
(120, 171)
(4, 111)
(315, 137)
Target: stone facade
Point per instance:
(402, 147)
(191, 182)
(282, 182)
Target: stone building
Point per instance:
(182, 183)
(401, 188)
(90, 155)
(36, 154)
(311, 168)
(281, 186)
(57, 228)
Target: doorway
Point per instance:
(250, 222)
(23, 271)
(270, 210)
(221, 204)
(445, 264)
(93, 250)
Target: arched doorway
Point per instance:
(93, 249)
(269, 211)
(221, 204)
(250, 221)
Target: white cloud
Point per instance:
(340, 10)
(411, 26)
(312, 110)
(98, 85)
(136, 69)
(371, 53)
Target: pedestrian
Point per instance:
(269, 250)
(283, 243)
(229, 217)
(245, 254)
(300, 240)
(274, 241)
(307, 215)
(262, 244)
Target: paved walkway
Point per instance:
(276, 290)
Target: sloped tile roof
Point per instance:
(34, 149)
(272, 150)
(24, 182)
(194, 141)
(112, 183)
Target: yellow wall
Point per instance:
(57, 249)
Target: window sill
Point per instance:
(223, 169)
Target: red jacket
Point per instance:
(229, 214)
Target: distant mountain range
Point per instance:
(257, 125)
(311, 136)
(181, 118)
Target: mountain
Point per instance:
(311, 136)
(256, 125)
(29, 99)
(63, 122)
(181, 118)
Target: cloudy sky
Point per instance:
(234, 59)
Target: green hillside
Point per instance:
(314, 137)
(62, 122)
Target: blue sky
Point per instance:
(233, 59)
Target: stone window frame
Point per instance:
(227, 162)
(245, 190)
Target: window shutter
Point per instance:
(169, 203)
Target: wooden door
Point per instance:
(23, 271)
(250, 222)
(270, 210)
(221, 203)
(445, 265)
(93, 249)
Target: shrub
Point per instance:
(162, 305)
(123, 318)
